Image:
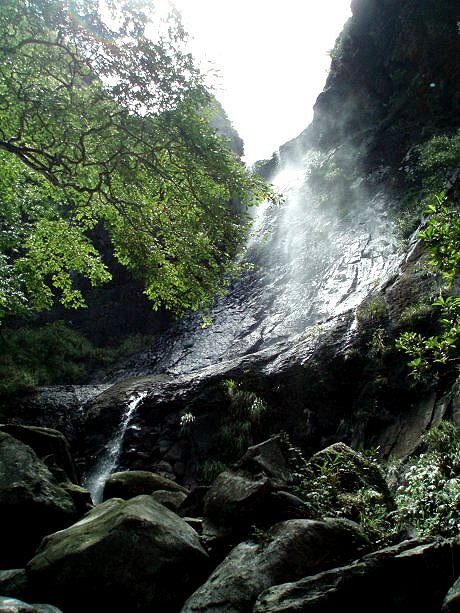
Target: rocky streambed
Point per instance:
(246, 542)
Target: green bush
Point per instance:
(439, 156)
(246, 411)
(328, 492)
(207, 471)
(41, 356)
(54, 354)
(429, 355)
(372, 311)
(429, 499)
(416, 315)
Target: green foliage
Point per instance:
(244, 404)
(185, 422)
(40, 356)
(102, 123)
(128, 346)
(54, 354)
(429, 499)
(442, 237)
(372, 311)
(328, 492)
(56, 251)
(207, 471)
(246, 411)
(416, 314)
(439, 157)
(428, 353)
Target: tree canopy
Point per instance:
(105, 119)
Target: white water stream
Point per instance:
(107, 464)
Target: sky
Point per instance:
(272, 59)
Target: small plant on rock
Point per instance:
(246, 410)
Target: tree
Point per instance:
(104, 119)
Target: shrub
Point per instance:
(431, 354)
(372, 311)
(207, 471)
(438, 158)
(54, 354)
(429, 498)
(245, 414)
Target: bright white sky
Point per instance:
(273, 60)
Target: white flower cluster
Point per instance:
(186, 420)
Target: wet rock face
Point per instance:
(50, 445)
(13, 605)
(286, 376)
(393, 73)
(314, 264)
(59, 407)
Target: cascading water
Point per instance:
(96, 478)
(318, 258)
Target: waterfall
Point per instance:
(106, 465)
(319, 256)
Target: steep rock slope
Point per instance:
(334, 374)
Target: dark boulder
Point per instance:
(267, 457)
(32, 504)
(235, 500)
(171, 500)
(50, 445)
(81, 497)
(13, 583)
(193, 505)
(411, 576)
(12, 605)
(288, 551)
(130, 483)
(452, 600)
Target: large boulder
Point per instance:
(451, 601)
(133, 555)
(12, 605)
(267, 457)
(290, 550)
(13, 583)
(50, 445)
(236, 499)
(130, 483)
(411, 576)
(171, 500)
(32, 504)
